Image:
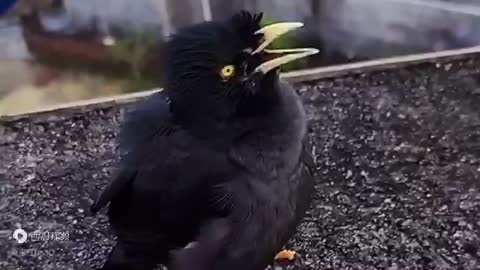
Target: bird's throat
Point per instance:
(264, 100)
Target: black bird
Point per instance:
(216, 169)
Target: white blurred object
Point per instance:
(108, 41)
(206, 10)
(12, 44)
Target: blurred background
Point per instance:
(55, 51)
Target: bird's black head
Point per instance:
(216, 68)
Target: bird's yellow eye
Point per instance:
(227, 71)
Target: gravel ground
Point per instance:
(398, 175)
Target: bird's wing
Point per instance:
(243, 237)
(305, 179)
(150, 120)
(237, 240)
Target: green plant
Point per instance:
(134, 50)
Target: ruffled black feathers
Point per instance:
(246, 24)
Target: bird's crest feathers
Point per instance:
(247, 23)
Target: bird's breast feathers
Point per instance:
(274, 149)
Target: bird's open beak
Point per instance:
(272, 32)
